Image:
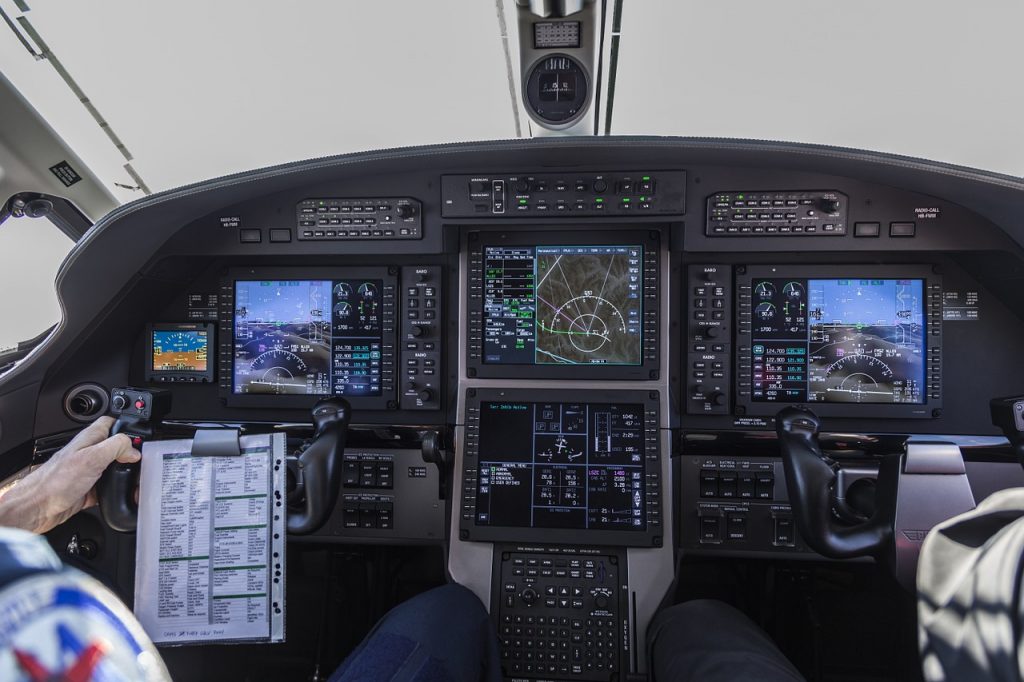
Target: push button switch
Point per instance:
(736, 527)
(747, 485)
(708, 484)
(710, 529)
(765, 489)
(350, 474)
(902, 229)
(784, 531)
(727, 484)
(866, 229)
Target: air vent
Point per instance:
(85, 402)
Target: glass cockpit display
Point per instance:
(564, 305)
(180, 350)
(838, 340)
(308, 337)
(561, 465)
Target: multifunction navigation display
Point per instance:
(851, 340)
(561, 465)
(308, 337)
(563, 305)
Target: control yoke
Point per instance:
(917, 489)
(1008, 415)
(317, 469)
(137, 411)
(811, 479)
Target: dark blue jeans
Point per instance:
(709, 641)
(443, 635)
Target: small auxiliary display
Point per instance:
(179, 352)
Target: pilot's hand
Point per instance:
(65, 484)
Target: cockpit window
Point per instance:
(921, 78)
(31, 252)
(177, 97)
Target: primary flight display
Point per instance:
(566, 305)
(838, 340)
(308, 337)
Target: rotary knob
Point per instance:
(829, 205)
(119, 402)
(529, 596)
(601, 601)
(406, 211)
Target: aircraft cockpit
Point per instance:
(570, 350)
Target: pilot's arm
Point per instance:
(60, 623)
(65, 484)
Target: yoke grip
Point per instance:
(115, 492)
(811, 480)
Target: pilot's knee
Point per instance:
(692, 620)
(454, 598)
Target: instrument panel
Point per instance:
(566, 329)
(559, 355)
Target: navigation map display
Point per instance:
(565, 305)
(838, 340)
(561, 465)
(308, 337)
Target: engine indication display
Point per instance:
(561, 465)
(307, 337)
(838, 341)
(568, 305)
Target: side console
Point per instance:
(562, 612)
